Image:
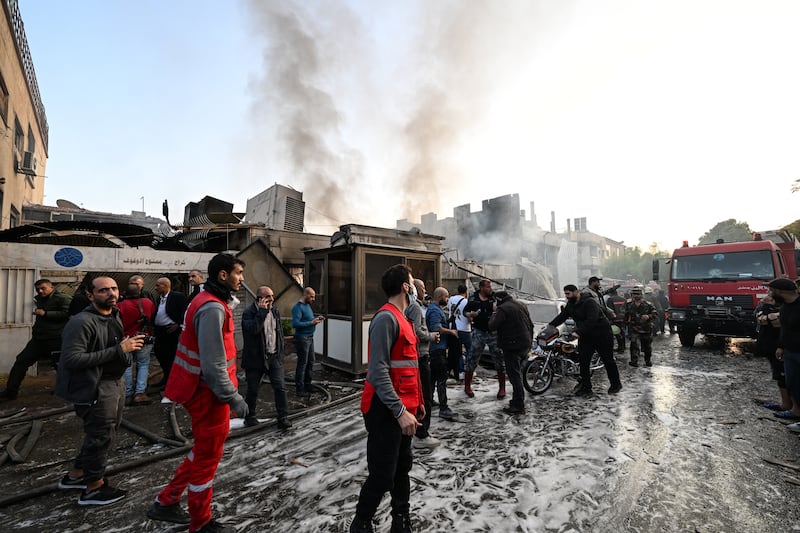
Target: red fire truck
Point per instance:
(713, 289)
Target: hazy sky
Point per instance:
(655, 120)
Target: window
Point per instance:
(374, 267)
(425, 270)
(31, 140)
(14, 217)
(19, 136)
(3, 99)
(340, 290)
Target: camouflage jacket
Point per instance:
(634, 313)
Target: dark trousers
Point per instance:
(427, 394)
(305, 364)
(388, 461)
(100, 424)
(35, 350)
(165, 346)
(275, 373)
(454, 353)
(601, 341)
(439, 376)
(514, 371)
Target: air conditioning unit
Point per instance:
(28, 165)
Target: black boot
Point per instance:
(401, 523)
(361, 525)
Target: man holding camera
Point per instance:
(94, 354)
(137, 314)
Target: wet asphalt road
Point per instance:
(681, 448)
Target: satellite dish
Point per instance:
(66, 204)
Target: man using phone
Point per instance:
(94, 356)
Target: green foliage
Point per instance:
(634, 264)
(286, 325)
(729, 231)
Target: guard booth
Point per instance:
(347, 280)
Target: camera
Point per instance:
(148, 339)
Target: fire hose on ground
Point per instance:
(180, 449)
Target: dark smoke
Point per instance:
(308, 117)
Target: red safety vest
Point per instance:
(184, 377)
(404, 366)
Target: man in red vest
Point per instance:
(203, 379)
(392, 405)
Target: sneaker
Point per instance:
(141, 398)
(168, 513)
(284, 423)
(648, 363)
(213, 527)
(512, 410)
(72, 483)
(427, 442)
(614, 390)
(447, 414)
(451, 381)
(583, 392)
(794, 428)
(103, 495)
(250, 421)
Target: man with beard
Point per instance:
(479, 308)
(52, 313)
(514, 336)
(94, 356)
(594, 333)
(436, 321)
(640, 317)
(203, 379)
(784, 292)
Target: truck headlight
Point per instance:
(677, 315)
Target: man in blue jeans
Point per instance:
(304, 323)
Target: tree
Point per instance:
(633, 264)
(729, 231)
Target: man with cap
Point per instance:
(784, 292)
(594, 290)
(640, 316)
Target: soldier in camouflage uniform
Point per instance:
(640, 316)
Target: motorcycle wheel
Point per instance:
(537, 376)
(596, 363)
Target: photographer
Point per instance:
(137, 315)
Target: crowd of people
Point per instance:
(105, 343)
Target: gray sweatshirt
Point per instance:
(208, 322)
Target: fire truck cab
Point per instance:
(713, 289)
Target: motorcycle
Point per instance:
(555, 355)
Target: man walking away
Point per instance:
(204, 381)
(514, 329)
(392, 404)
(94, 356)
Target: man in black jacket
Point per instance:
(52, 313)
(514, 329)
(263, 354)
(94, 356)
(170, 308)
(594, 333)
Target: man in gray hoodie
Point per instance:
(94, 356)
